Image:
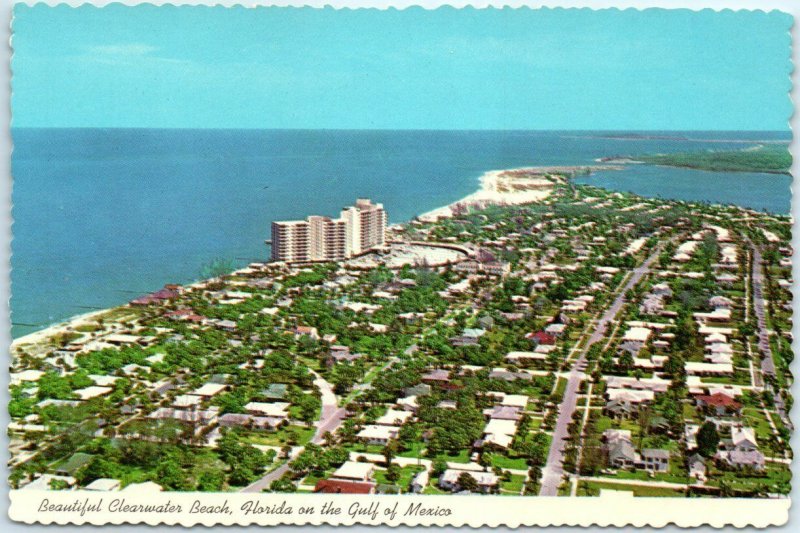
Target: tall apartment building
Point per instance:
(360, 228)
(290, 241)
(327, 239)
(366, 226)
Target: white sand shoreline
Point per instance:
(59, 327)
(490, 193)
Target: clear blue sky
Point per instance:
(177, 67)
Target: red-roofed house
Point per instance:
(167, 293)
(336, 486)
(306, 331)
(540, 337)
(718, 403)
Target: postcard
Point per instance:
(455, 267)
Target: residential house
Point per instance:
(541, 337)
(486, 480)
(718, 404)
(354, 471)
(306, 331)
(469, 337)
(394, 417)
(379, 435)
(338, 486)
(655, 460)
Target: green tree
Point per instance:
(707, 439)
(393, 473)
(284, 484)
(439, 466)
(170, 475)
(241, 475)
(467, 482)
(389, 452)
(211, 481)
(51, 385)
(626, 360)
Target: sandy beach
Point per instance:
(500, 187)
(43, 335)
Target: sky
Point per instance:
(202, 67)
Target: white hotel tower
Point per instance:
(359, 229)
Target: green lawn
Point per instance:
(774, 477)
(515, 463)
(674, 476)
(690, 412)
(561, 386)
(514, 485)
(461, 457)
(604, 423)
(756, 419)
(433, 490)
(407, 473)
(414, 450)
(311, 479)
(281, 437)
(585, 488)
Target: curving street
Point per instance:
(331, 417)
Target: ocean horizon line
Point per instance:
(466, 130)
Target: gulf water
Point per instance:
(104, 215)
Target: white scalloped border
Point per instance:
(774, 513)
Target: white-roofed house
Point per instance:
(104, 485)
(87, 393)
(272, 409)
(499, 432)
(515, 400)
(354, 471)
(394, 417)
(380, 435)
(637, 335)
(209, 389)
(449, 479)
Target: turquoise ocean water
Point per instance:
(103, 215)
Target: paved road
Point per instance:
(768, 363)
(554, 468)
(330, 419)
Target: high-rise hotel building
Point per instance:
(359, 229)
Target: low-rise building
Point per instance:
(486, 480)
(380, 435)
(354, 471)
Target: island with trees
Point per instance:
(767, 158)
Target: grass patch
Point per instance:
(407, 473)
(514, 485)
(514, 463)
(592, 488)
(278, 438)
